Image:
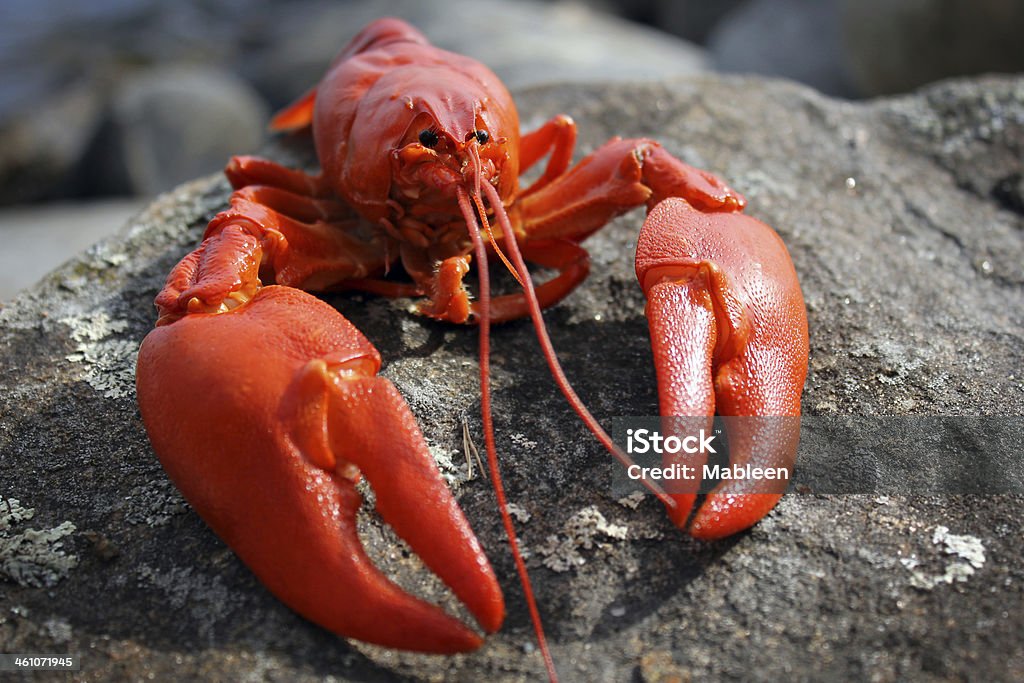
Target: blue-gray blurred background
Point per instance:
(104, 104)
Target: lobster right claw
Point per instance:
(729, 334)
(265, 417)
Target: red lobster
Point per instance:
(263, 404)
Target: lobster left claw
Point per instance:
(265, 416)
(729, 335)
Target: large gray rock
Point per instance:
(906, 230)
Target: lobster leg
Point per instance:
(557, 136)
(285, 414)
(728, 331)
(324, 234)
(250, 240)
(243, 170)
(617, 177)
(309, 243)
(450, 300)
(728, 324)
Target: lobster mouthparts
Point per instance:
(265, 417)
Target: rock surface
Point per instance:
(904, 221)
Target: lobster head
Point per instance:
(421, 133)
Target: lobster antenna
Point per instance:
(484, 298)
(474, 155)
(549, 351)
(493, 242)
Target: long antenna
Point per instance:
(549, 351)
(484, 300)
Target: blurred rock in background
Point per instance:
(847, 48)
(794, 39)
(524, 43)
(170, 124)
(892, 47)
(130, 97)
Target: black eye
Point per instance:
(482, 137)
(428, 138)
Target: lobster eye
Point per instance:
(482, 137)
(428, 138)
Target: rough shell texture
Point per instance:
(904, 218)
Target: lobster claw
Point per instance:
(729, 334)
(265, 417)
